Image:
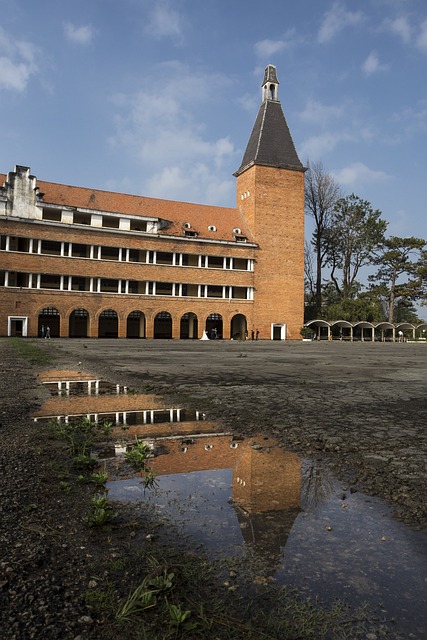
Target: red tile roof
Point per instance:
(200, 216)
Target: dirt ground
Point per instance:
(362, 407)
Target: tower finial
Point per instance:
(270, 85)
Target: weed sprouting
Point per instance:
(101, 512)
(99, 479)
(137, 457)
(80, 435)
(31, 351)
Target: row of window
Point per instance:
(99, 220)
(108, 285)
(122, 254)
(105, 221)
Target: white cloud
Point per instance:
(17, 64)
(358, 173)
(165, 21)
(318, 113)
(372, 64)
(337, 19)
(78, 35)
(266, 48)
(316, 146)
(167, 137)
(422, 37)
(195, 183)
(401, 27)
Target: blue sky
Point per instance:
(158, 97)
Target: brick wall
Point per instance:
(274, 210)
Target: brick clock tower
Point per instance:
(270, 196)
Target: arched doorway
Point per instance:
(214, 326)
(78, 326)
(108, 324)
(239, 327)
(135, 325)
(49, 322)
(163, 325)
(188, 326)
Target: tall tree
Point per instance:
(355, 231)
(321, 196)
(398, 257)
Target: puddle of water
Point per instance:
(250, 498)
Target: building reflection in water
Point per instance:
(265, 479)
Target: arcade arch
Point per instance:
(163, 325)
(108, 324)
(78, 323)
(214, 326)
(189, 325)
(135, 325)
(49, 317)
(239, 327)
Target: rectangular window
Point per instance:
(2, 278)
(48, 281)
(164, 258)
(22, 280)
(163, 288)
(2, 243)
(79, 284)
(109, 253)
(80, 250)
(82, 218)
(50, 247)
(215, 262)
(190, 290)
(190, 260)
(137, 256)
(214, 291)
(109, 286)
(110, 222)
(239, 292)
(54, 215)
(138, 225)
(136, 286)
(240, 263)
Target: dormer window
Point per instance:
(186, 225)
(190, 233)
(212, 227)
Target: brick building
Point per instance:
(91, 263)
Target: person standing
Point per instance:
(47, 335)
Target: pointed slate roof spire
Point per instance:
(270, 143)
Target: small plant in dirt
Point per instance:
(84, 463)
(65, 486)
(137, 457)
(101, 512)
(80, 435)
(179, 618)
(99, 479)
(145, 596)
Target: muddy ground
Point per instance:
(361, 406)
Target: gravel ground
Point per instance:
(360, 407)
